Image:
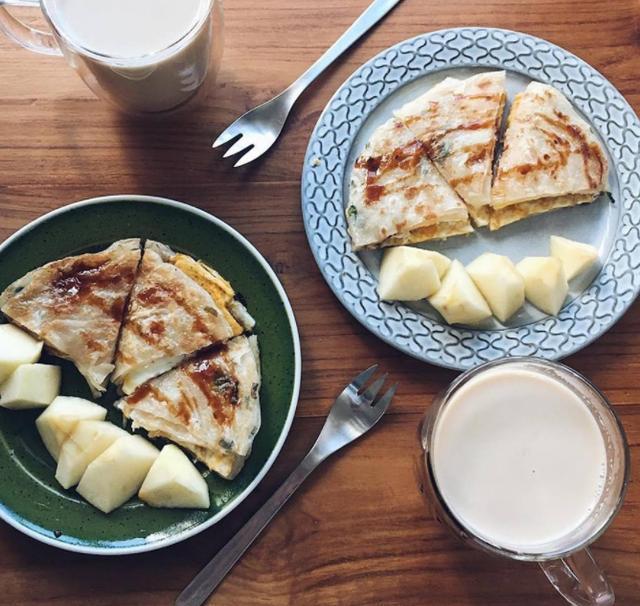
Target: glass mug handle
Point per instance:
(32, 39)
(579, 580)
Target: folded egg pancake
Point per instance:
(209, 405)
(457, 121)
(76, 305)
(551, 158)
(397, 196)
(177, 307)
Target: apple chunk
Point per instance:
(16, 348)
(407, 274)
(499, 282)
(86, 442)
(115, 476)
(545, 284)
(575, 257)
(174, 481)
(441, 262)
(459, 301)
(30, 386)
(60, 418)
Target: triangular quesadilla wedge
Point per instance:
(209, 405)
(551, 158)
(177, 307)
(397, 196)
(457, 121)
(76, 306)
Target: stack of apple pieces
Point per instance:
(491, 285)
(23, 382)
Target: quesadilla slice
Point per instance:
(457, 121)
(551, 158)
(397, 196)
(76, 306)
(178, 306)
(209, 405)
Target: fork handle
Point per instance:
(202, 586)
(376, 11)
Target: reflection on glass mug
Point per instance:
(526, 459)
(142, 55)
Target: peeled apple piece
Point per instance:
(116, 475)
(441, 262)
(545, 284)
(407, 274)
(16, 348)
(575, 257)
(30, 386)
(61, 417)
(174, 481)
(86, 442)
(459, 301)
(499, 282)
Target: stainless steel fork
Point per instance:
(259, 128)
(354, 412)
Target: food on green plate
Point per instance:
(499, 282)
(209, 405)
(60, 418)
(31, 386)
(407, 274)
(551, 158)
(114, 476)
(174, 481)
(459, 301)
(76, 305)
(544, 282)
(397, 196)
(457, 122)
(16, 348)
(178, 307)
(88, 440)
(575, 257)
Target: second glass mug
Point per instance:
(156, 82)
(568, 564)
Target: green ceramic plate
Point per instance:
(30, 498)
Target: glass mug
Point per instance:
(567, 562)
(155, 82)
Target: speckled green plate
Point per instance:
(30, 498)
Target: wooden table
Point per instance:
(358, 532)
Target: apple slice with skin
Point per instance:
(174, 481)
(86, 442)
(544, 283)
(499, 282)
(116, 475)
(575, 257)
(459, 301)
(31, 386)
(60, 418)
(407, 274)
(16, 348)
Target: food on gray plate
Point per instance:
(209, 405)
(174, 481)
(551, 158)
(407, 274)
(544, 282)
(31, 386)
(76, 306)
(177, 307)
(397, 196)
(457, 122)
(576, 257)
(16, 348)
(499, 282)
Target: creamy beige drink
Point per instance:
(145, 55)
(518, 458)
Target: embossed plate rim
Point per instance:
(552, 337)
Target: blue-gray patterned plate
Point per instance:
(611, 224)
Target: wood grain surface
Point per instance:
(358, 532)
